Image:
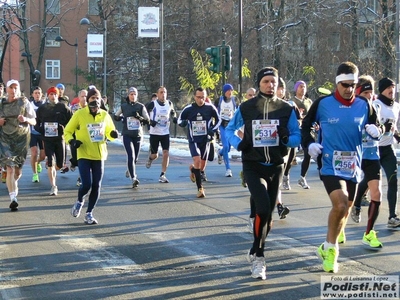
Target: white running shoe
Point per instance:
(76, 209)
(303, 183)
(228, 173)
(54, 191)
(89, 219)
(163, 179)
(258, 268)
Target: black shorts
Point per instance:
(36, 140)
(55, 148)
(156, 140)
(371, 169)
(333, 183)
(201, 149)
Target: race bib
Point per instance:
(226, 113)
(199, 128)
(132, 123)
(265, 133)
(50, 129)
(344, 163)
(96, 132)
(162, 120)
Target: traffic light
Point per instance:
(228, 58)
(215, 60)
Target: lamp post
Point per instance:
(86, 21)
(61, 39)
(161, 40)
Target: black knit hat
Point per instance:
(93, 91)
(267, 71)
(282, 83)
(384, 83)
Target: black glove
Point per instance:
(210, 135)
(114, 134)
(153, 123)
(175, 120)
(75, 143)
(397, 137)
(141, 119)
(388, 125)
(283, 133)
(183, 123)
(117, 118)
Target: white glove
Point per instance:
(314, 149)
(372, 130)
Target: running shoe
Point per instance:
(148, 163)
(35, 178)
(244, 183)
(135, 183)
(192, 175)
(54, 191)
(39, 167)
(342, 237)
(393, 223)
(258, 268)
(283, 211)
(76, 209)
(365, 201)
(72, 167)
(372, 241)
(250, 257)
(250, 225)
(78, 182)
(328, 258)
(228, 173)
(203, 176)
(220, 158)
(127, 175)
(356, 214)
(303, 183)
(3, 176)
(200, 193)
(163, 179)
(14, 204)
(89, 219)
(64, 169)
(285, 183)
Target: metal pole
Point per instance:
(76, 66)
(240, 48)
(105, 60)
(161, 43)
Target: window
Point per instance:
(51, 37)
(52, 69)
(53, 7)
(93, 8)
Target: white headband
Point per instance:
(351, 76)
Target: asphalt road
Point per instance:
(160, 242)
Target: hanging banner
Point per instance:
(148, 22)
(95, 45)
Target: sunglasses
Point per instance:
(347, 85)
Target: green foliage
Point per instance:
(245, 69)
(310, 72)
(204, 77)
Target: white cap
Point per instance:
(12, 81)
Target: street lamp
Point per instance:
(61, 39)
(161, 40)
(86, 21)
